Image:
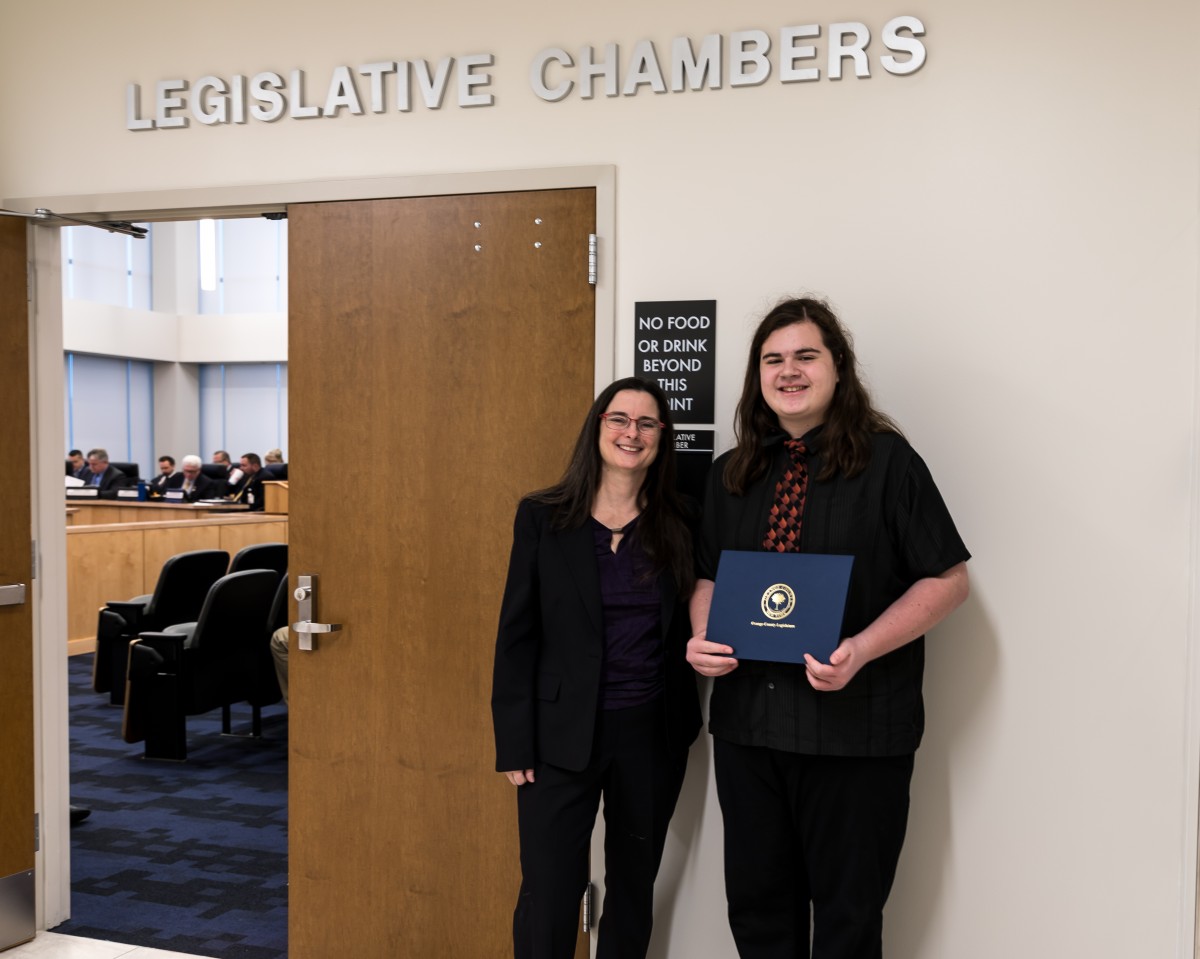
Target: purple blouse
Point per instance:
(632, 673)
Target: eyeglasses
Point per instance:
(621, 421)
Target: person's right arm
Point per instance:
(517, 647)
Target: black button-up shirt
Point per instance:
(893, 521)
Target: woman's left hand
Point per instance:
(844, 664)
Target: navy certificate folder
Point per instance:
(779, 606)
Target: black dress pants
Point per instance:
(824, 831)
(639, 776)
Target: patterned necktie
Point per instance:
(783, 525)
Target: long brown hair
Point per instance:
(662, 529)
(845, 440)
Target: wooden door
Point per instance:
(16, 621)
(440, 362)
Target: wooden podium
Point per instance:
(275, 496)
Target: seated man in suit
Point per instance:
(195, 484)
(166, 469)
(233, 475)
(249, 488)
(279, 653)
(77, 463)
(100, 474)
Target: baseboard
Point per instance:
(77, 647)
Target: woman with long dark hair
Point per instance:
(813, 761)
(592, 695)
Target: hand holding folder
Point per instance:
(781, 607)
(710, 659)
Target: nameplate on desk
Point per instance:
(127, 494)
(214, 502)
(174, 495)
(83, 492)
(779, 606)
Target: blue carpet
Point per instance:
(189, 857)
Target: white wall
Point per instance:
(1012, 235)
(176, 400)
(174, 338)
(178, 344)
(177, 337)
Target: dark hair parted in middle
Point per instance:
(662, 530)
(852, 417)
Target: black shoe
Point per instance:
(79, 814)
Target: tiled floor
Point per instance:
(52, 945)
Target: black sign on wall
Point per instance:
(675, 346)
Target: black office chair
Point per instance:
(130, 470)
(261, 556)
(215, 471)
(275, 471)
(194, 668)
(265, 689)
(183, 583)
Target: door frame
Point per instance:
(51, 734)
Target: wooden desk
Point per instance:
(96, 511)
(117, 561)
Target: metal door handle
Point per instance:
(12, 595)
(308, 626)
(306, 603)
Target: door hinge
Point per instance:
(587, 906)
(37, 832)
(33, 559)
(593, 241)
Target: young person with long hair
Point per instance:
(592, 694)
(813, 761)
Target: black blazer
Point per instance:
(249, 490)
(111, 479)
(550, 644)
(203, 488)
(159, 483)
